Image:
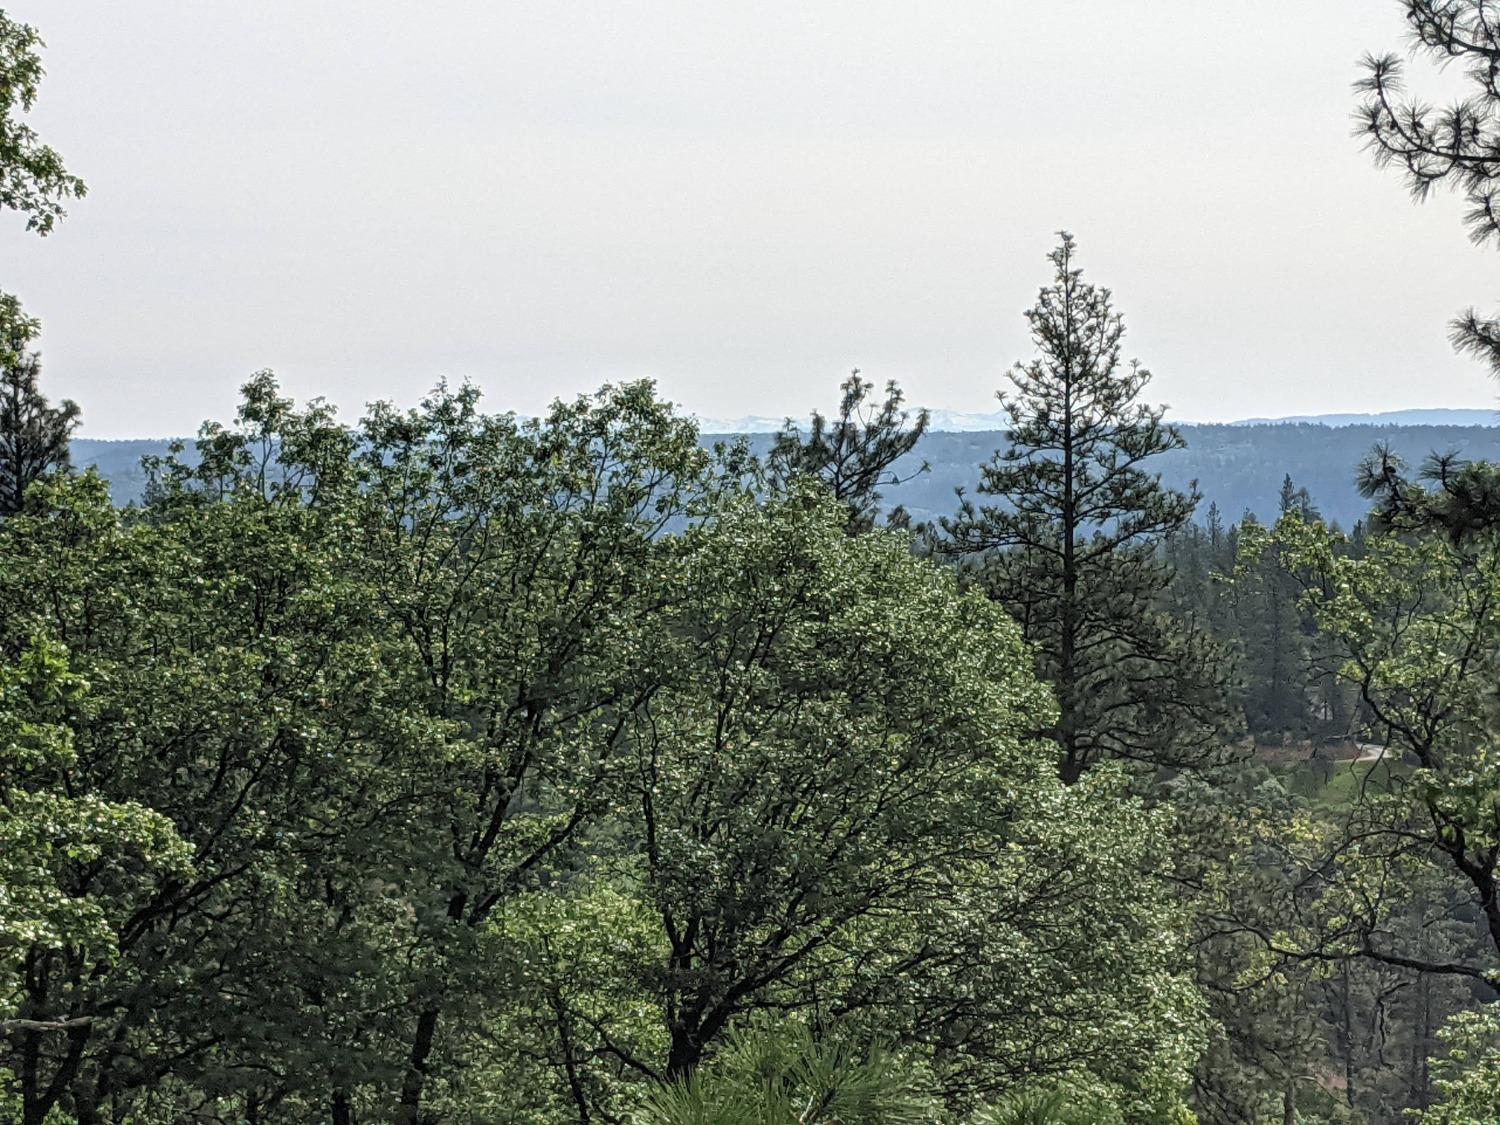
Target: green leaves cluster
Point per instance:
(794, 1078)
(1468, 1078)
(33, 180)
(48, 837)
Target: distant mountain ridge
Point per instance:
(959, 422)
(1238, 466)
(1425, 417)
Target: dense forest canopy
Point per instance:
(443, 765)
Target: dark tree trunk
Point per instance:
(410, 1109)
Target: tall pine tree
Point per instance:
(1069, 541)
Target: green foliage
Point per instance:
(812, 766)
(819, 785)
(33, 180)
(792, 1077)
(1452, 496)
(1417, 620)
(515, 562)
(1050, 1107)
(457, 767)
(49, 838)
(1467, 1079)
(1236, 466)
(1394, 871)
(542, 761)
(574, 959)
(215, 643)
(819, 815)
(791, 1074)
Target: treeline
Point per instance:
(1236, 468)
(1288, 687)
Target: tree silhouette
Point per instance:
(34, 434)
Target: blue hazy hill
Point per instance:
(1237, 465)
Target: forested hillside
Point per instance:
(1239, 468)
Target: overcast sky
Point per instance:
(740, 200)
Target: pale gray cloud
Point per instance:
(740, 200)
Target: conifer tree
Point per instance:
(33, 433)
(1068, 540)
(854, 455)
(1295, 499)
(1454, 146)
(1272, 646)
